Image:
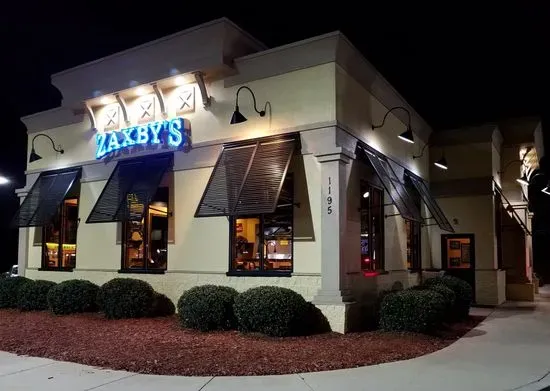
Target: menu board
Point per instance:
(459, 254)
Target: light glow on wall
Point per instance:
(173, 131)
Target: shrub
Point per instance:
(162, 306)
(125, 298)
(463, 292)
(414, 310)
(34, 295)
(313, 321)
(270, 310)
(72, 296)
(9, 290)
(207, 307)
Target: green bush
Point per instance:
(73, 296)
(414, 310)
(270, 310)
(162, 306)
(126, 298)
(207, 307)
(463, 292)
(9, 290)
(313, 321)
(34, 295)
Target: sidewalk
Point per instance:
(510, 350)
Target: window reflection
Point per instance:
(264, 243)
(146, 240)
(59, 248)
(372, 228)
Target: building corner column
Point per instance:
(334, 288)
(23, 244)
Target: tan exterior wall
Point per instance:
(299, 99)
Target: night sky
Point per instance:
(455, 65)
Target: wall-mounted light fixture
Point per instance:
(440, 163)
(237, 117)
(34, 156)
(524, 180)
(546, 190)
(407, 135)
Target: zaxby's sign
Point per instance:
(175, 133)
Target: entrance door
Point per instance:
(458, 256)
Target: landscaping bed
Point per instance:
(161, 346)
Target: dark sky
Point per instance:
(455, 63)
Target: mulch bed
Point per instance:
(160, 346)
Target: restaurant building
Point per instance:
(206, 158)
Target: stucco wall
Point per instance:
(474, 215)
(301, 98)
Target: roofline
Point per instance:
(161, 39)
(338, 33)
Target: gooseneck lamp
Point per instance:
(524, 180)
(237, 116)
(34, 156)
(407, 135)
(440, 163)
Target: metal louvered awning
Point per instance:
(130, 188)
(45, 196)
(395, 188)
(247, 179)
(437, 214)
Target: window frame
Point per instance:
(415, 232)
(43, 247)
(232, 236)
(372, 186)
(146, 236)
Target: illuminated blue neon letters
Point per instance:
(151, 134)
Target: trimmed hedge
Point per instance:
(34, 295)
(414, 310)
(9, 290)
(162, 306)
(207, 307)
(73, 296)
(463, 292)
(271, 310)
(126, 298)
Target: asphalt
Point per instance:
(510, 350)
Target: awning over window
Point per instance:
(45, 196)
(247, 179)
(437, 214)
(395, 187)
(129, 190)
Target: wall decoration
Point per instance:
(111, 117)
(145, 108)
(185, 100)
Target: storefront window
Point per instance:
(413, 230)
(372, 229)
(263, 243)
(59, 237)
(145, 246)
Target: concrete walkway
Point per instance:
(508, 351)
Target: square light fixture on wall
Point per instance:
(145, 109)
(185, 100)
(111, 117)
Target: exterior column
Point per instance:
(23, 245)
(334, 179)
